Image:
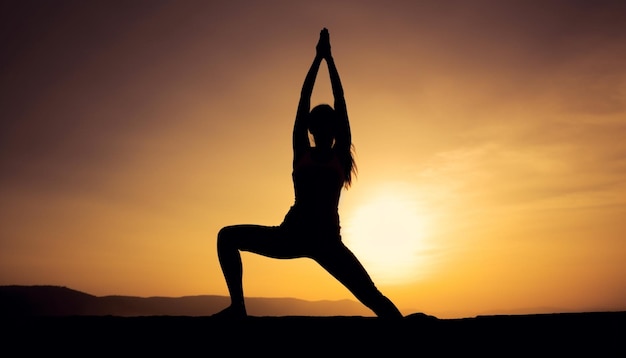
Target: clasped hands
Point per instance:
(323, 45)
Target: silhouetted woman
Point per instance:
(311, 227)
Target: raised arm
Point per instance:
(300, 134)
(343, 139)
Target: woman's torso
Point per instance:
(318, 179)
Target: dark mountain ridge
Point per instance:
(62, 301)
(58, 321)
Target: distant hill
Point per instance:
(62, 301)
(58, 321)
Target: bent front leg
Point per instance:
(270, 241)
(230, 262)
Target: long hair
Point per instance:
(349, 167)
(324, 124)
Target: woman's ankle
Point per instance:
(232, 311)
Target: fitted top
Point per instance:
(318, 179)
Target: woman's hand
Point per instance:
(323, 45)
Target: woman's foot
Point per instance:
(231, 312)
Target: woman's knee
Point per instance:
(226, 237)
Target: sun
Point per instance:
(388, 233)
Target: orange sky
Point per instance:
(489, 140)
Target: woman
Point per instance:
(311, 227)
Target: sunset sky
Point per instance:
(489, 140)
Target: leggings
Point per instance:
(281, 243)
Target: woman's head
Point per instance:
(322, 123)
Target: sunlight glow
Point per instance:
(388, 234)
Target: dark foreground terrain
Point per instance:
(546, 335)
